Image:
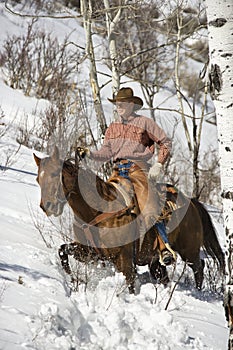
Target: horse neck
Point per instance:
(80, 190)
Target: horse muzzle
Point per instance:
(52, 209)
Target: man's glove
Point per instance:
(83, 152)
(154, 171)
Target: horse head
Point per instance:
(50, 180)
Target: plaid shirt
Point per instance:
(133, 140)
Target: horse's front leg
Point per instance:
(64, 251)
(125, 264)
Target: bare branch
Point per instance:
(39, 16)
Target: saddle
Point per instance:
(125, 188)
(173, 199)
(170, 196)
(170, 202)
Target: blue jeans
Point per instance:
(124, 169)
(162, 230)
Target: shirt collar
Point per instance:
(129, 119)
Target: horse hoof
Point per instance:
(164, 280)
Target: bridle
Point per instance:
(59, 188)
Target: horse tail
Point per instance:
(210, 239)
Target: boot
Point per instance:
(168, 256)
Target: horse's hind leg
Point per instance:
(198, 270)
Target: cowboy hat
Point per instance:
(126, 94)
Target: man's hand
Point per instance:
(154, 171)
(83, 152)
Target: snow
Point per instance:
(39, 308)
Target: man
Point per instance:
(130, 143)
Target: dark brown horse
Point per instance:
(106, 228)
(190, 228)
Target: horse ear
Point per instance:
(55, 154)
(37, 159)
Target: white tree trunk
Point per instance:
(220, 25)
(111, 25)
(86, 11)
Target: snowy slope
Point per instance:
(38, 309)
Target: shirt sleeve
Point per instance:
(105, 153)
(161, 139)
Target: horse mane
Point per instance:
(70, 167)
(104, 188)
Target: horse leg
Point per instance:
(124, 263)
(64, 251)
(198, 270)
(63, 255)
(158, 272)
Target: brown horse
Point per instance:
(105, 228)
